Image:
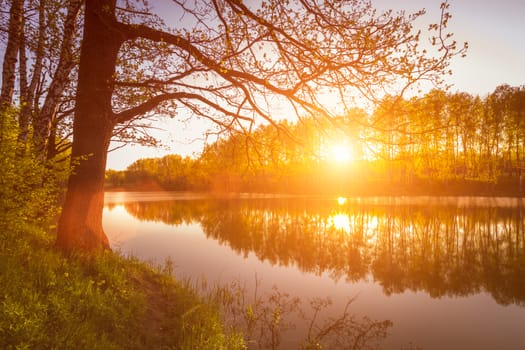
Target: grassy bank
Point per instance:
(52, 301)
(48, 300)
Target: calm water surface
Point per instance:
(448, 272)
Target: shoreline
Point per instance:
(488, 193)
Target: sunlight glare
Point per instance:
(341, 222)
(372, 226)
(341, 153)
(341, 200)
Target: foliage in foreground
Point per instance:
(52, 301)
(277, 320)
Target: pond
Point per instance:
(415, 272)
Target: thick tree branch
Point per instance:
(141, 31)
(154, 102)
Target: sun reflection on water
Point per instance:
(341, 222)
(341, 200)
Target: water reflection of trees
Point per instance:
(441, 249)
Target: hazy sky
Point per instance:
(495, 31)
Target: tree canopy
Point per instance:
(232, 62)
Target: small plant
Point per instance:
(265, 319)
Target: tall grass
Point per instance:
(274, 319)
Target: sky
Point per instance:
(494, 30)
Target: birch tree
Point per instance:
(11, 54)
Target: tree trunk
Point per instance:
(11, 54)
(80, 225)
(44, 120)
(26, 113)
(51, 146)
(23, 120)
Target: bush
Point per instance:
(30, 189)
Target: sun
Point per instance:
(341, 153)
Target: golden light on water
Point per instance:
(341, 222)
(372, 227)
(346, 222)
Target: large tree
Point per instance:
(230, 61)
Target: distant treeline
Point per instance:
(441, 143)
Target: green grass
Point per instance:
(49, 300)
(52, 301)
